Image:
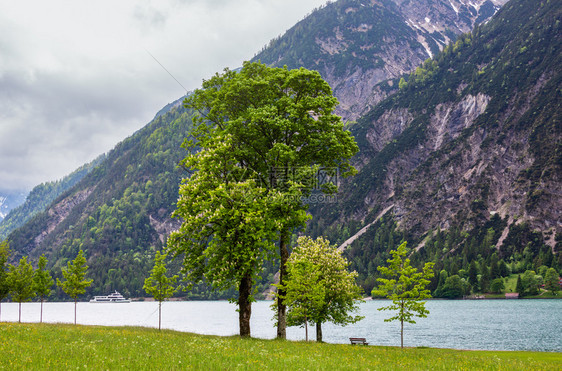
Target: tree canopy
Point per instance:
(280, 132)
(20, 281)
(405, 286)
(42, 281)
(4, 287)
(75, 281)
(159, 285)
(319, 287)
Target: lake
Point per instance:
(461, 324)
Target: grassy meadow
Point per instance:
(49, 346)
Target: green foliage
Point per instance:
(405, 286)
(497, 286)
(552, 281)
(265, 133)
(42, 280)
(453, 287)
(75, 281)
(530, 282)
(319, 288)
(519, 286)
(158, 285)
(20, 282)
(4, 254)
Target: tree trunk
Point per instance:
(159, 315)
(74, 310)
(281, 307)
(41, 315)
(19, 307)
(244, 305)
(402, 323)
(306, 328)
(402, 334)
(319, 332)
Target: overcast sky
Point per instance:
(76, 77)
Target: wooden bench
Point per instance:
(361, 341)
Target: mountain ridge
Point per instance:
(438, 118)
(356, 44)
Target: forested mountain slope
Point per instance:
(41, 196)
(119, 213)
(357, 44)
(468, 154)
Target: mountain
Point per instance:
(462, 157)
(359, 46)
(466, 159)
(40, 197)
(10, 200)
(119, 212)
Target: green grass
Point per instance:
(48, 346)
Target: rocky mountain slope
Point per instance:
(472, 141)
(357, 44)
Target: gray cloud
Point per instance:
(75, 78)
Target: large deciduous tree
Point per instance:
(319, 288)
(159, 285)
(227, 230)
(42, 282)
(281, 130)
(20, 280)
(75, 282)
(4, 287)
(405, 286)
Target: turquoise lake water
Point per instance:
(459, 324)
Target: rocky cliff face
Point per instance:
(359, 44)
(474, 134)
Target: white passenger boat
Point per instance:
(111, 298)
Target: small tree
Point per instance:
(42, 282)
(20, 279)
(552, 281)
(519, 286)
(405, 287)
(4, 287)
(75, 283)
(473, 276)
(530, 283)
(319, 288)
(497, 286)
(159, 285)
